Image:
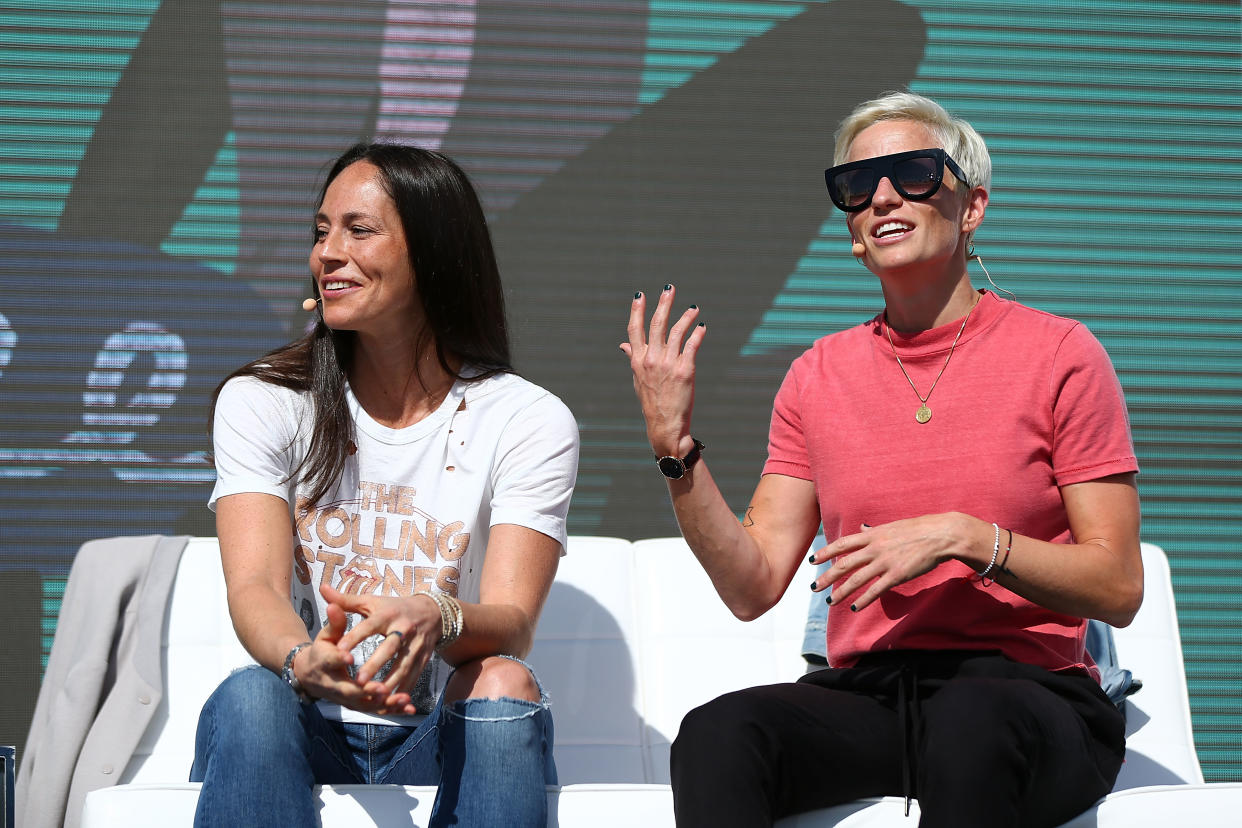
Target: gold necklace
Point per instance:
(924, 413)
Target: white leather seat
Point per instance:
(633, 636)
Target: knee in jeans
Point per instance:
(493, 677)
(250, 690)
(250, 701)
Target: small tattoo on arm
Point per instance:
(749, 519)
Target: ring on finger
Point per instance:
(397, 633)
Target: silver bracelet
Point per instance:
(286, 672)
(983, 576)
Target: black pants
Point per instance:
(980, 741)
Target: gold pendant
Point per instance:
(923, 414)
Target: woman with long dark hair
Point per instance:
(390, 504)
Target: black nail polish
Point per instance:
(853, 608)
(702, 325)
(813, 585)
(828, 600)
(810, 558)
(668, 287)
(638, 295)
(694, 307)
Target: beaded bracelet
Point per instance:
(452, 620)
(458, 625)
(1004, 560)
(983, 576)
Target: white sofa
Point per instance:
(632, 637)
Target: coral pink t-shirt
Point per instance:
(1029, 402)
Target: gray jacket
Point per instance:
(104, 678)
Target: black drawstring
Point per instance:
(908, 721)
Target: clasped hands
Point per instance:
(411, 629)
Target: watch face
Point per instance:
(671, 467)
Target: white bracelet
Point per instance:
(452, 620)
(983, 576)
(458, 625)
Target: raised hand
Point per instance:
(662, 360)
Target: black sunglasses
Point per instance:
(916, 175)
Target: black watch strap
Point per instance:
(675, 468)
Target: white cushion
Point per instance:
(383, 806)
(1193, 806)
(1160, 747)
(632, 637)
(584, 660)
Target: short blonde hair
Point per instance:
(957, 137)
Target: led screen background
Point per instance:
(159, 162)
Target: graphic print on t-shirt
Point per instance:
(378, 544)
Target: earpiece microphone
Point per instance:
(309, 304)
(857, 250)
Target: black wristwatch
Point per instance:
(675, 468)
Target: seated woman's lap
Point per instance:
(255, 717)
(754, 755)
(991, 747)
(1006, 745)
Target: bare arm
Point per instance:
(256, 542)
(517, 575)
(750, 563)
(1099, 575)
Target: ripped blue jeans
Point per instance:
(259, 750)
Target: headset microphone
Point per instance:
(309, 304)
(857, 250)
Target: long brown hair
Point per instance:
(463, 307)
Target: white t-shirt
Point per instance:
(414, 506)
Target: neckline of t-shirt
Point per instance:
(987, 312)
(411, 433)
